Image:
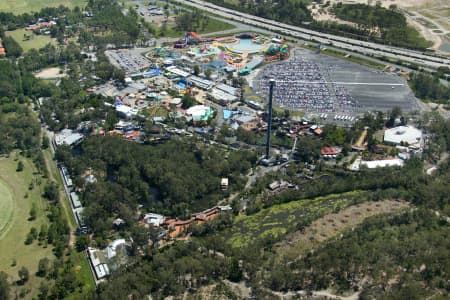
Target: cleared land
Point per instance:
(280, 219)
(22, 6)
(14, 233)
(34, 41)
(332, 224)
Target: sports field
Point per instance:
(22, 6)
(14, 223)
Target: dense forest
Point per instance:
(429, 88)
(292, 12)
(176, 178)
(388, 25)
(400, 255)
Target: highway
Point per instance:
(367, 48)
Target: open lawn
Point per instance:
(15, 227)
(22, 6)
(281, 219)
(34, 41)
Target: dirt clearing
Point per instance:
(50, 73)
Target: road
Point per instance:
(368, 48)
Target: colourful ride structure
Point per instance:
(190, 38)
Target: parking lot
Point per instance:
(325, 85)
(129, 60)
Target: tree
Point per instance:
(82, 242)
(188, 101)
(234, 271)
(51, 191)
(208, 73)
(33, 212)
(4, 286)
(24, 275)
(43, 267)
(19, 166)
(45, 142)
(196, 70)
(13, 48)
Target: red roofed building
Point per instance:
(2, 50)
(330, 152)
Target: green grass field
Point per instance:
(6, 208)
(16, 227)
(35, 41)
(22, 6)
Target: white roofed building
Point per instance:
(68, 137)
(112, 247)
(154, 219)
(404, 135)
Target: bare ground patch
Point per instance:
(333, 224)
(50, 73)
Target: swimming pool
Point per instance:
(245, 45)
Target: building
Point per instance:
(221, 97)
(228, 89)
(200, 82)
(126, 112)
(99, 267)
(111, 250)
(177, 71)
(330, 152)
(2, 49)
(66, 176)
(68, 137)
(200, 113)
(396, 162)
(372, 164)
(75, 200)
(154, 219)
(404, 135)
(255, 62)
(224, 184)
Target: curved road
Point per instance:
(328, 39)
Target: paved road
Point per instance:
(326, 39)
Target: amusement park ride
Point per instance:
(190, 38)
